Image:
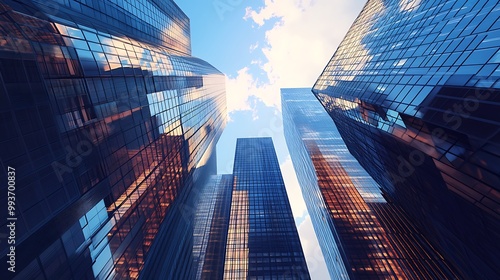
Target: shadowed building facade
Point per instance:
(211, 227)
(413, 90)
(360, 234)
(245, 227)
(111, 126)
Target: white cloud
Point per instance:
(277, 9)
(236, 89)
(296, 48)
(301, 44)
(243, 86)
(312, 251)
(254, 47)
(293, 189)
(256, 62)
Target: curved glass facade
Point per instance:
(413, 90)
(154, 21)
(109, 131)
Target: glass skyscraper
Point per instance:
(111, 126)
(262, 241)
(211, 227)
(413, 90)
(361, 235)
(244, 225)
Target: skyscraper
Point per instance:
(263, 238)
(109, 124)
(361, 235)
(245, 227)
(211, 227)
(413, 89)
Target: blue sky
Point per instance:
(219, 32)
(262, 46)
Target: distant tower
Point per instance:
(361, 235)
(245, 227)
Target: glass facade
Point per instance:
(211, 227)
(361, 235)
(157, 22)
(262, 240)
(111, 126)
(243, 223)
(413, 90)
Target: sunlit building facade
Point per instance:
(360, 234)
(413, 90)
(111, 126)
(262, 240)
(244, 227)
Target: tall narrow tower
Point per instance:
(244, 225)
(362, 236)
(262, 239)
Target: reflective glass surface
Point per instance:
(160, 22)
(211, 227)
(412, 89)
(262, 241)
(111, 132)
(358, 240)
(243, 224)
